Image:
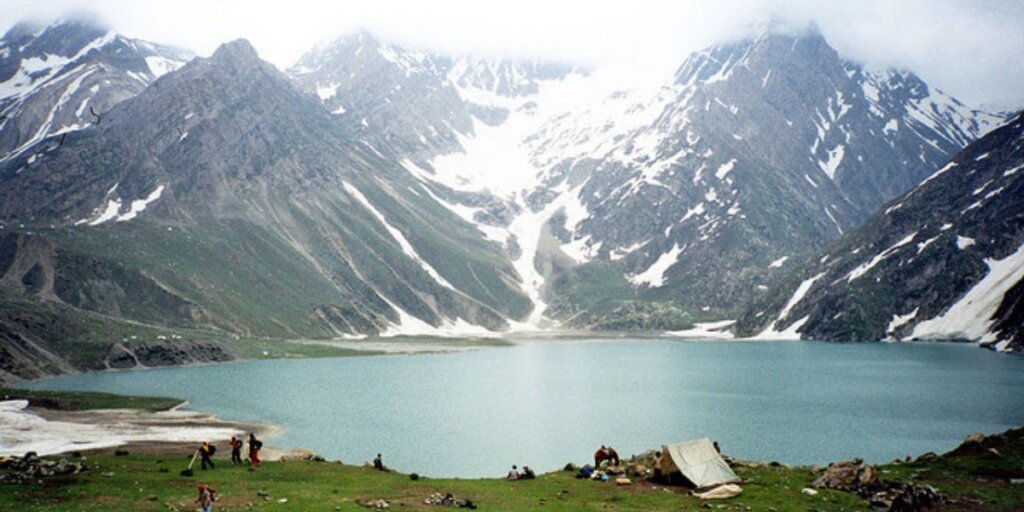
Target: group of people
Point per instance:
(207, 450)
(207, 495)
(516, 474)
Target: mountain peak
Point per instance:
(21, 29)
(237, 50)
(806, 48)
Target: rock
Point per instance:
(975, 438)
(623, 481)
(298, 454)
(862, 479)
(808, 491)
(847, 476)
(928, 457)
(378, 504)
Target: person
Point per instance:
(236, 450)
(205, 452)
(528, 473)
(378, 463)
(205, 498)
(254, 450)
(657, 467)
(717, 449)
(513, 474)
(613, 456)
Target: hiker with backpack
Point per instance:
(206, 451)
(236, 450)
(205, 498)
(254, 450)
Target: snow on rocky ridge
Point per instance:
(63, 77)
(551, 145)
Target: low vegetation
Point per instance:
(80, 401)
(985, 474)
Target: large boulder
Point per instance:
(848, 476)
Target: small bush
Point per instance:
(121, 453)
(414, 477)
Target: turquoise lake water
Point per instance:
(543, 404)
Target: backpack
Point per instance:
(258, 444)
(213, 449)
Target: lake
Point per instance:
(474, 414)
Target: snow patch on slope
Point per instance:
(407, 247)
(654, 276)
(971, 317)
(791, 332)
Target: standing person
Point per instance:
(254, 450)
(236, 450)
(205, 498)
(205, 452)
(657, 467)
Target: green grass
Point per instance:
(80, 401)
(977, 479)
(330, 486)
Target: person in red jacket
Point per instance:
(236, 450)
(254, 450)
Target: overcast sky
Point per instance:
(971, 49)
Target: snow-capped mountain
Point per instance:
(760, 151)
(626, 210)
(231, 190)
(418, 102)
(65, 76)
(943, 261)
(695, 196)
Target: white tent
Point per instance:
(698, 461)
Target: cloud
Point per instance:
(968, 48)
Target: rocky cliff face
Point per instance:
(151, 354)
(943, 261)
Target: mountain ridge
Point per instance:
(939, 262)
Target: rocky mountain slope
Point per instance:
(651, 211)
(760, 151)
(232, 190)
(376, 190)
(66, 76)
(943, 261)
